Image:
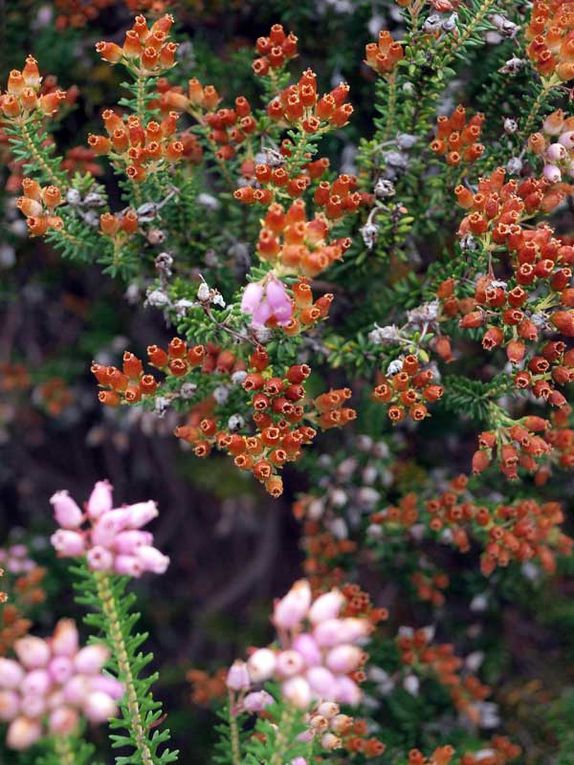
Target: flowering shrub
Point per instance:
(329, 269)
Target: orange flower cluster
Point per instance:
(384, 55)
(26, 591)
(147, 51)
(429, 587)
(406, 390)
(442, 755)
(457, 138)
(205, 687)
(198, 99)
(275, 182)
(306, 311)
(502, 752)
(497, 207)
(525, 530)
(274, 50)
(298, 245)
(38, 205)
(228, 128)
(300, 104)
(551, 39)
(516, 446)
(141, 149)
(54, 395)
(279, 405)
(359, 604)
(322, 552)
(340, 198)
(405, 514)
(439, 660)
(119, 224)
(354, 739)
(24, 96)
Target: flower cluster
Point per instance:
(146, 50)
(24, 98)
(334, 730)
(385, 54)
(275, 50)
(38, 205)
(550, 39)
(318, 649)
(138, 149)
(267, 303)
(439, 660)
(458, 138)
(555, 144)
(295, 244)
(52, 683)
(301, 104)
(407, 390)
(113, 540)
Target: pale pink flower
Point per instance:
(267, 300)
(111, 539)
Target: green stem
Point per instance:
(140, 96)
(534, 110)
(116, 637)
(64, 750)
(461, 41)
(235, 746)
(51, 175)
(283, 737)
(391, 105)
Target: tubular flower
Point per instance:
(148, 51)
(318, 649)
(24, 95)
(274, 50)
(408, 391)
(457, 138)
(301, 104)
(110, 539)
(52, 683)
(38, 205)
(551, 39)
(267, 303)
(384, 55)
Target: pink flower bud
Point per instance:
(108, 685)
(552, 173)
(100, 559)
(279, 301)
(100, 500)
(68, 543)
(141, 513)
(99, 707)
(261, 665)
(326, 606)
(329, 741)
(252, 297)
(55, 699)
(152, 559)
(76, 690)
(9, 705)
(128, 565)
(334, 632)
(257, 701)
(32, 651)
(36, 683)
(297, 691)
(328, 709)
(555, 152)
(322, 682)
(33, 706)
(91, 659)
(348, 692)
(567, 140)
(299, 761)
(344, 659)
(306, 645)
(127, 542)
(289, 663)
(23, 732)
(65, 640)
(238, 677)
(108, 525)
(11, 673)
(292, 609)
(63, 721)
(66, 511)
(261, 314)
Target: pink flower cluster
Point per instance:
(110, 538)
(267, 300)
(318, 649)
(51, 683)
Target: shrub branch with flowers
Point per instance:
(417, 298)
